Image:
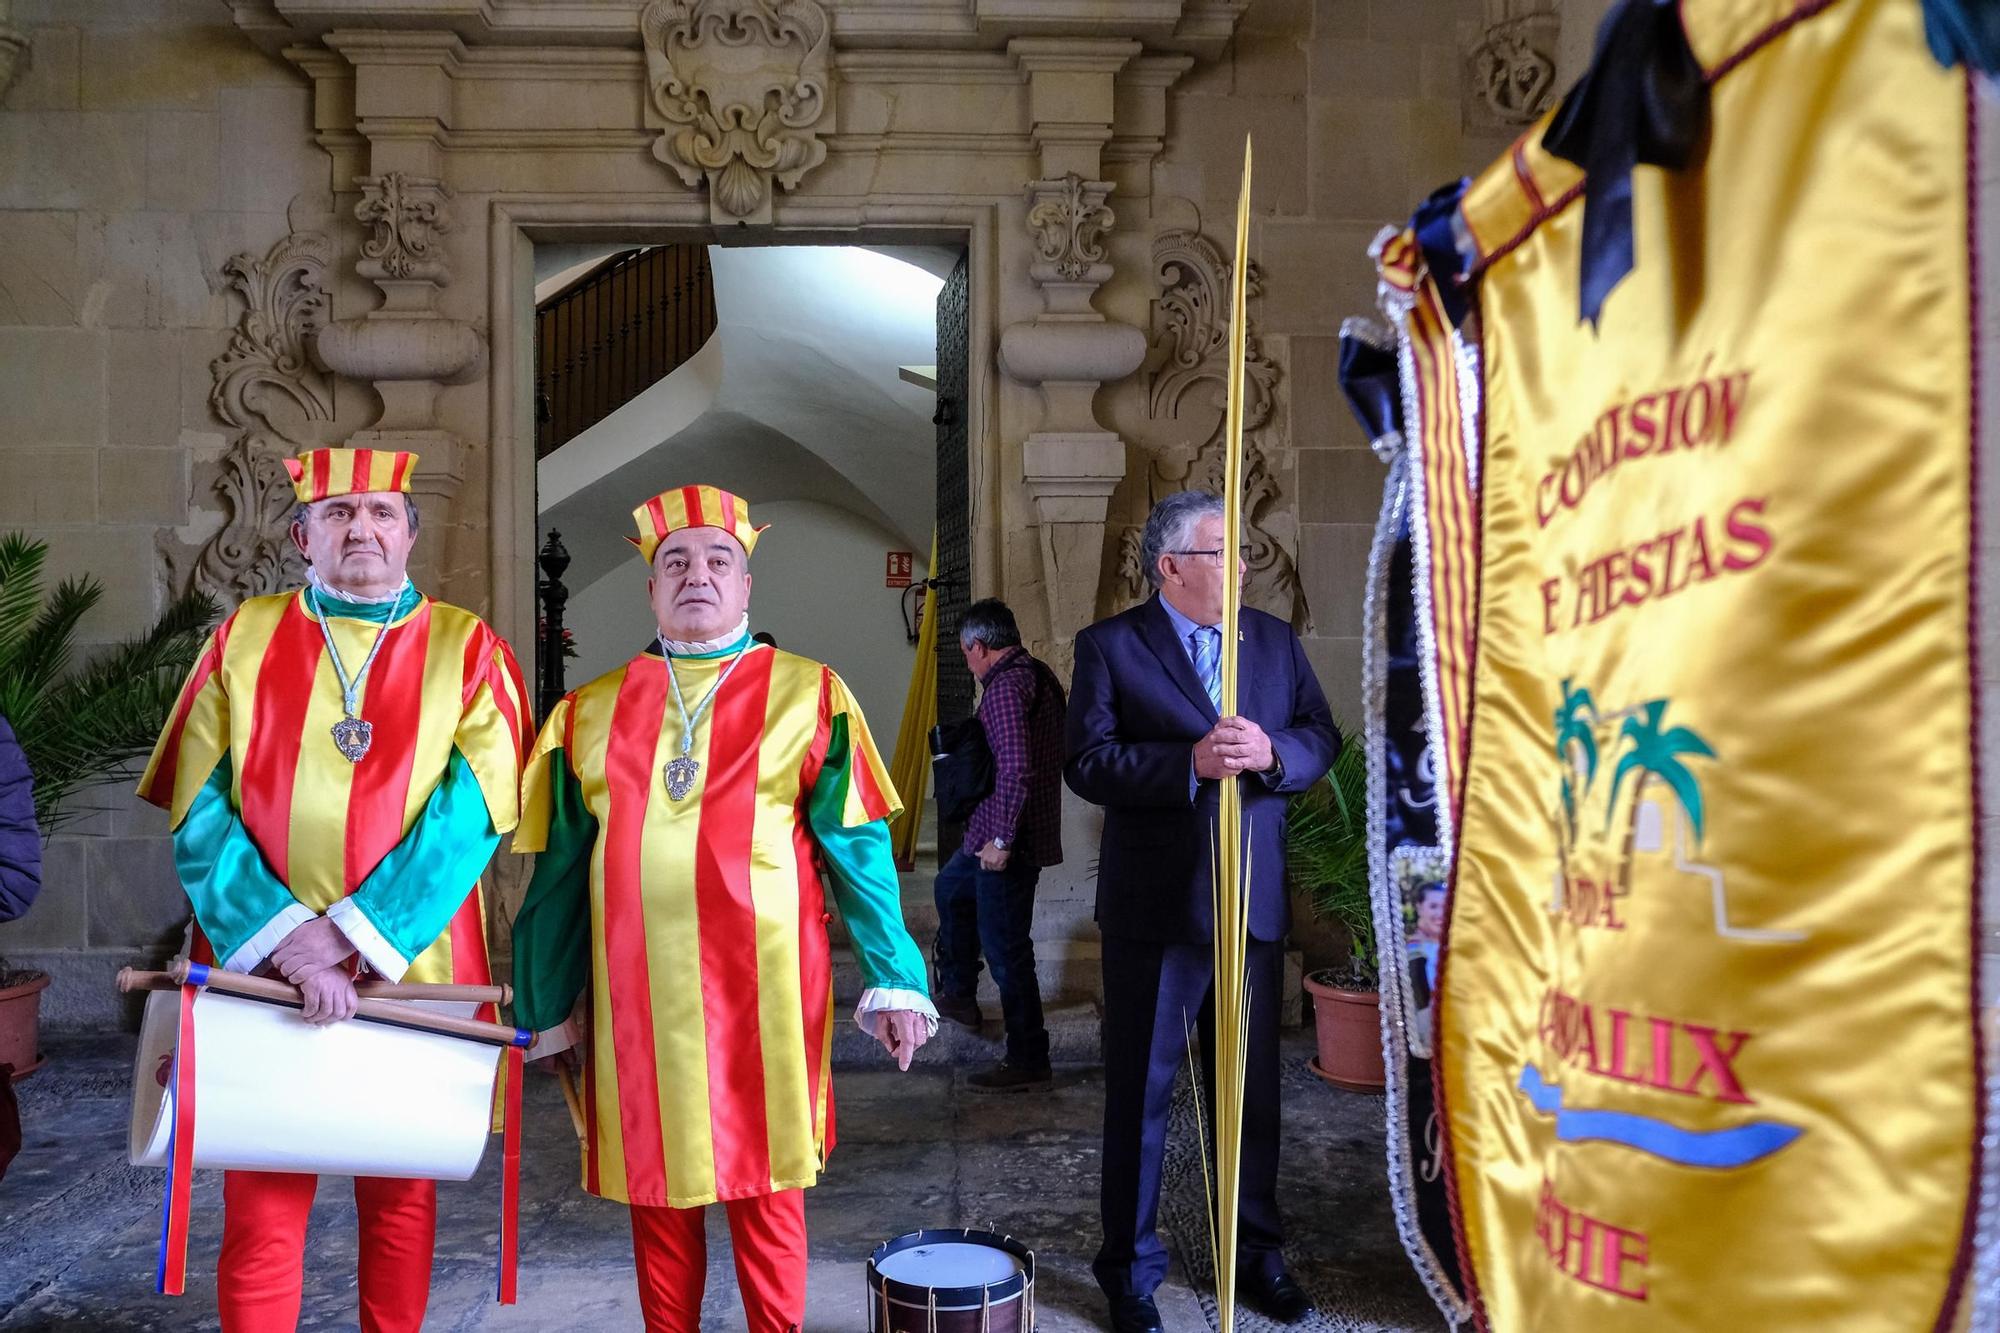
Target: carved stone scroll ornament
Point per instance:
(1068, 223)
(1512, 69)
(742, 90)
(406, 216)
(1192, 352)
(268, 392)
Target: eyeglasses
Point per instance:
(1215, 554)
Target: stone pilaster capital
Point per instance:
(1068, 220)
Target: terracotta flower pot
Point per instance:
(1348, 1026)
(20, 1023)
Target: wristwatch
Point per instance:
(1001, 843)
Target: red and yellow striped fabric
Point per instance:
(321, 474)
(1437, 385)
(692, 507)
(264, 693)
(711, 996)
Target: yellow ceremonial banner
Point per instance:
(1708, 1014)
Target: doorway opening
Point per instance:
(824, 383)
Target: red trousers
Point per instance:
(768, 1233)
(262, 1269)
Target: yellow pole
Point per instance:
(1232, 899)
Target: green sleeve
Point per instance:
(863, 879)
(410, 896)
(552, 929)
(242, 906)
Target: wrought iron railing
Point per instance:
(614, 333)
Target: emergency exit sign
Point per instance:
(900, 565)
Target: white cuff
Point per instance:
(258, 947)
(373, 946)
(556, 1040)
(881, 999)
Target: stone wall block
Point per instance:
(143, 486)
(46, 80)
(52, 384)
(1341, 486)
(113, 555)
(1270, 64)
(61, 160)
(41, 281)
(1337, 663)
(183, 161)
(1347, 66)
(144, 379)
(1316, 274)
(1214, 138)
(1320, 418)
(1333, 560)
(58, 919)
(154, 273)
(1362, 165)
(49, 486)
(272, 156)
(135, 898)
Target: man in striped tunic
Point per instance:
(691, 809)
(338, 770)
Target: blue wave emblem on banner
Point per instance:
(1722, 1149)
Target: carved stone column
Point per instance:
(406, 348)
(1071, 464)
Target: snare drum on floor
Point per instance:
(949, 1280)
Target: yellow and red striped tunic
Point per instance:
(711, 986)
(265, 696)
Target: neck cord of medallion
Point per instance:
(681, 772)
(352, 735)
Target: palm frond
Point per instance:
(1326, 850)
(20, 589)
(82, 728)
(44, 649)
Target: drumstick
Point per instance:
(573, 1100)
(401, 1013)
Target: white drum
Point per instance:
(273, 1093)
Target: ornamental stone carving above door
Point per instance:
(741, 91)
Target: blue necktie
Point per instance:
(1207, 644)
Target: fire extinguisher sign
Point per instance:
(900, 564)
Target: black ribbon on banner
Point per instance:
(1643, 100)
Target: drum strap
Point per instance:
(510, 1178)
(171, 1278)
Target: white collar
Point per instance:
(699, 647)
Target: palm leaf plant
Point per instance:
(90, 724)
(1326, 855)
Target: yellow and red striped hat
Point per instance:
(692, 507)
(320, 474)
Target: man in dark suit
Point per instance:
(1145, 742)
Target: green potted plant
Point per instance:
(1326, 854)
(77, 727)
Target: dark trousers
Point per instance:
(993, 911)
(1153, 993)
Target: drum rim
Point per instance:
(909, 1293)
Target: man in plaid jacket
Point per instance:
(986, 891)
